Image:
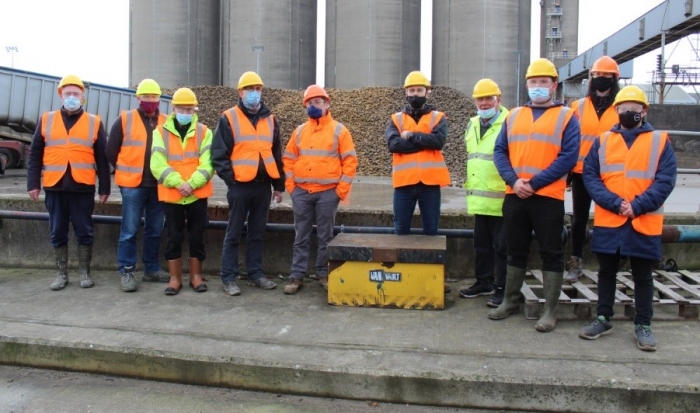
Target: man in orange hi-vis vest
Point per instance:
(596, 114)
(629, 172)
(181, 162)
(319, 166)
(247, 156)
(129, 151)
(536, 149)
(69, 147)
(415, 137)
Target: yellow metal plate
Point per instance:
(400, 285)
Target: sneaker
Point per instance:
(496, 299)
(480, 287)
(231, 288)
(262, 282)
(645, 338)
(128, 281)
(599, 327)
(159, 276)
(293, 285)
(324, 282)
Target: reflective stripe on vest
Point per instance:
(591, 127)
(74, 147)
(132, 155)
(628, 173)
(535, 144)
(332, 153)
(251, 144)
(426, 166)
(485, 188)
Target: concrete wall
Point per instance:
(26, 243)
(679, 117)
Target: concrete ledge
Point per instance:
(324, 372)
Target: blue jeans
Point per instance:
(138, 202)
(405, 198)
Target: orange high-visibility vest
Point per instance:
(185, 161)
(132, 155)
(591, 126)
(62, 147)
(426, 166)
(534, 145)
(628, 173)
(250, 143)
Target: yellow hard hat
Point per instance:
(184, 96)
(70, 80)
(416, 78)
(249, 79)
(485, 88)
(148, 87)
(631, 94)
(541, 67)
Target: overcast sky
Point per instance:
(91, 38)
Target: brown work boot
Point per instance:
(575, 270)
(196, 281)
(448, 289)
(293, 285)
(324, 282)
(175, 284)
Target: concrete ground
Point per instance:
(268, 341)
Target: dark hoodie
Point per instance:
(418, 141)
(626, 239)
(222, 148)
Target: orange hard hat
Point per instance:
(315, 91)
(606, 64)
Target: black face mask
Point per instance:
(416, 102)
(601, 84)
(630, 119)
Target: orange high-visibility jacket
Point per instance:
(75, 148)
(591, 126)
(132, 155)
(426, 166)
(320, 155)
(185, 161)
(534, 145)
(249, 144)
(628, 173)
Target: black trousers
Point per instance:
(545, 216)
(643, 286)
(70, 207)
(582, 207)
(191, 216)
(490, 249)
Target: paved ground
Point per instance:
(264, 340)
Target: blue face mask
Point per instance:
(314, 112)
(252, 99)
(184, 119)
(71, 103)
(486, 113)
(538, 94)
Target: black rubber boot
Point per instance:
(84, 260)
(61, 255)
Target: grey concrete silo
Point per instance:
(174, 42)
(559, 30)
(275, 38)
(371, 42)
(477, 39)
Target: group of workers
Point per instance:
(517, 169)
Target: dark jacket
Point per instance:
(626, 239)
(67, 183)
(568, 155)
(222, 147)
(418, 141)
(114, 146)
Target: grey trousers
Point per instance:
(323, 206)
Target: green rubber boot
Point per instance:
(552, 290)
(511, 295)
(61, 255)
